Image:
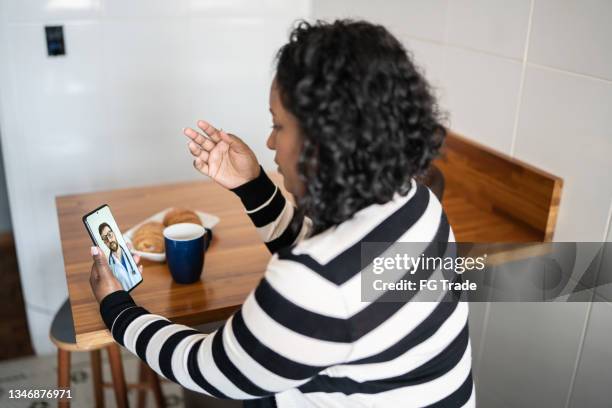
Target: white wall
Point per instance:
(109, 114)
(533, 79)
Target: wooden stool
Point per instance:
(62, 335)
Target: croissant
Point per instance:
(178, 215)
(149, 237)
(150, 242)
(152, 226)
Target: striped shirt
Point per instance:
(304, 337)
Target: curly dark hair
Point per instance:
(367, 116)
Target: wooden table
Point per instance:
(234, 263)
(236, 259)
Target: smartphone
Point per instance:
(105, 234)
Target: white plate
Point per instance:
(208, 221)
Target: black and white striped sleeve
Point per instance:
(258, 352)
(277, 221)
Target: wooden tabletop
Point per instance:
(234, 263)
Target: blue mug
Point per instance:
(185, 246)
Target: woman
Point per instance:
(353, 124)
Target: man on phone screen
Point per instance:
(123, 269)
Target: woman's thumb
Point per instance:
(99, 258)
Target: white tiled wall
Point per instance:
(573, 36)
(592, 376)
(477, 83)
(529, 354)
(416, 18)
(530, 78)
(493, 26)
(592, 382)
(564, 127)
(533, 79)
(109, 114)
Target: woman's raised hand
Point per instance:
(222, 156)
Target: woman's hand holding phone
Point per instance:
(101, 279)
(222, 156)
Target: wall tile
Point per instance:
(529, 352)
(476, 320)
(418, 18)
(49, 10)
(498, 26)
(143, 9)
(431, 58)
(592, 385)
(288, 10)
(563, 128)
(482, 96)
(484, 397)
(573, 35)
(604, 277)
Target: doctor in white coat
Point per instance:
(120, 262)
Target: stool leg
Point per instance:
(114, 356)
(142, 379)
(63, 375)
(160, 401)
(96, 376)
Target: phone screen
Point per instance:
(105, 233)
